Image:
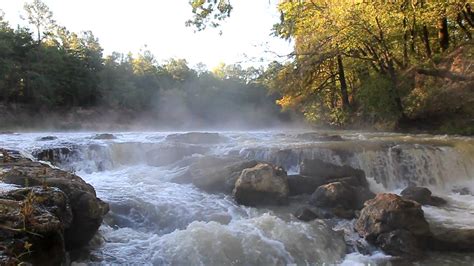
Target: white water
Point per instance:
(155, 221)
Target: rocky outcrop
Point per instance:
(197, 138)
(261, 185)
(173, 153)
(65, 196)
(394, 224)
(422, 195)
(215, 174)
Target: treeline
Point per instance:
(369, 61)
(51, 68)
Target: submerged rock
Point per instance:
(197, 138)
(262, 184)
(215, 174)
(47, 138)
(171, 154)
(422, 195)
(87, 210)
(394, 224)
(453, 239)
(104, 136)
(313, 136)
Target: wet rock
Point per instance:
(309, 213)
(341, 198)
(422, 195)
(197, 138)
(215, 174)
(400, 243)
(319, 168)
(88, 210)
(32, 222)
(300, 184)
(47, 138)
(390, 221)
(462, 191)
(313, 136)
(261, 185)
(453, 239)
(104, 136)
(171, 154)
(56, 155)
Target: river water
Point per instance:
(155, 221)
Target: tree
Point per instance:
(39, 15)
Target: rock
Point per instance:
(422, 195)
(104, 136)
(462, 191)
(400, 243)
(385, 214)
(342, 198)
(215, 174)
(453, 239)
(32, 223)
(171, 154)
(197, 138)
(319, 168)
(300, 184)
(313, 136)
(261, 185)
(56, 155)
(47, 138)
(309, 213)
(88, 210)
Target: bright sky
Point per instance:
(126, 25)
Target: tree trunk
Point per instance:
(394, 88)
(405, 42)
(426, 41)
(443, 34)
(466, 31)
(342, 80)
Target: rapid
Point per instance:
(156, 221)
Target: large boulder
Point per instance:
(197, 138)
(393, 224)
(87, 210)
(341, 194)
(261, 185)
(315, 173)
(300, 184)
(166, 155)
(342, 199)
(215, 174)
(422, 195)
(32, 224)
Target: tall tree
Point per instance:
(39, 15)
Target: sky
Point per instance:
(158, 25)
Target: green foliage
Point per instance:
(376, 103)
(61, 69)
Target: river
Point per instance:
(156, 221)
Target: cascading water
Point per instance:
(156, 221)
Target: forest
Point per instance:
(371, 64)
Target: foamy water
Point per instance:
(154, 221)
